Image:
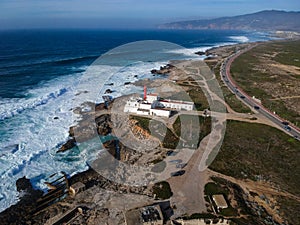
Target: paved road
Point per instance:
(226, 77)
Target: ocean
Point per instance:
(40, 72)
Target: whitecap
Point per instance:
(239, 39)
(40, 122)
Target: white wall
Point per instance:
(178, 106)
(152, 98)
(144, 106)
(158, 112)
(146, 113)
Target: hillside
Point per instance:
(271, 20)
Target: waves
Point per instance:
(30, 129)
(33, 127)
(49, 62)
(190, 52)
(12, 107)
(240, 39)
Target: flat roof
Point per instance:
(220, 201)
(177, 101)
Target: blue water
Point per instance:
(30, 57)
(38, 72)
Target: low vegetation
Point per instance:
(289, 207)
(259, 152)
(233, 102)
(174, 138)
(290, 54)
(162, 190)
(215, 188)
(271, 71)
(194, 131)
(193, 92)
(212, 188)
(198, 98)
(142, 122)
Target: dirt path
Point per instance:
(244, 117)
(188, 189)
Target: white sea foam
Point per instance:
(31, 134)
(32, 131)
(11, 107)
(113, 78)
(239, 39)
(190, 52)
(33, 127)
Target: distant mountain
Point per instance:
(269, 20)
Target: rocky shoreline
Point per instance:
(92, 124)
(23, 211)
(20, 212)
(84, 130)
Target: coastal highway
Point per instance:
(251, 102)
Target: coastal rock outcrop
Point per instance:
(200, 53)
(138, 131)
(88, 128)
(104, 124)
(20, 212)
(29, 194)
(23, 184)
(163, 69)
(127, 155)
(68, 145)
(108, 91)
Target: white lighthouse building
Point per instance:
(153, 105)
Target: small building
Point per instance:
(148, 215)
(220, 201)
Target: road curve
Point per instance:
(246, 99)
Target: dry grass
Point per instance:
(271, 71)
(258, 151)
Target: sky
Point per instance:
(16, 14)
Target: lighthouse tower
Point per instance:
(145, 93)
